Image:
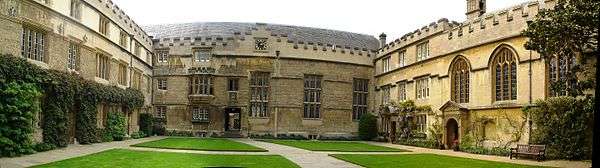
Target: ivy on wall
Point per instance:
(18, 104)
(64, 94)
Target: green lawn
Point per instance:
(335, 146)
(207, 144)
(421, 160)
(143, 159)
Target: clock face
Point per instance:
(261, 44)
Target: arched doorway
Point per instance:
(451, 132)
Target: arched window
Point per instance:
(504, 68)
(559, 72)
(460, 80)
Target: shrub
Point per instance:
(115, 124)
(103, 135)
(564, 124)
(138, 135)
(367, 127)
(158, 127)
(42, 147)
(146, 123)
(18, 105)
(181, 133)
(424, 143)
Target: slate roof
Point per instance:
(294, 33)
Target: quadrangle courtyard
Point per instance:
(204, 152)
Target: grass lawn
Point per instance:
(143, 159)
(334, 146)
(421, 160)
(206, 144)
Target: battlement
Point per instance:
(119, 17)
(509, 19)
(498, 24)
(277, 38)
(424, 32)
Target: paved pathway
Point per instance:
(69, 152)
(551, 163)
(301, 157)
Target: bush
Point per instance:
(115, 125)
(104, 135)
(158, 127)
(138, 135)
(424, 143)
(565, 125)
(146, 123)
(18, 105)
(262, 136)
(498, 151)
(42, 147)
(367, 127)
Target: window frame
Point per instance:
(201, 84)
(75, 9)
(422, 92)
(200, 114)
(504, 82)
(162, 84)
(73, 56)
(402, 58)
(460, 80)
(385, 64)
(360, 97)
(259, 94)
(401, 91)
(313, 87)
(423, 51)
(103, 66)
(33, 47)
(104, 26)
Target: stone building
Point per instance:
(242, 79)
(92, 38)
(476, 75)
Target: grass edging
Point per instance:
(381, 148)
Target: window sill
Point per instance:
(201, 121)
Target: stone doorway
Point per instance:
(233, 119)
(452, 133)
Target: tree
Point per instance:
(570, 28)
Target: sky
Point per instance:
(371, 17)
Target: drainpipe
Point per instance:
(530, 97)
(277, 53)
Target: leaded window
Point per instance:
(202, 85)
(505, 75)
(202, 56)
(385, 95)
(421, 123)
(560, 74)
(32, 44)
(75, 9)
(161, 112)
(104, 26)
(73, 57)
(402, 91)
(422, 51)
(359, 98)
(162, 84)
(102, 66)
(422, 88)
(199, 113)
(460, 80)
(385, 64)
(259, 94)
(122, 74)
(163, 56)
(312, 96)
(401, 59)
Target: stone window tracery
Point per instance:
(505, 75)
(460, 81)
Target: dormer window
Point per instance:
(202, 55)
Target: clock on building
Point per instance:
(260, 44)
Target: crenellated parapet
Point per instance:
(504, 23)
(290, 41)
(120, 18)
(424, 32)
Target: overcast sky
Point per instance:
(372, 17)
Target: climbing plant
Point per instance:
(19, 103)
(63, 94)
